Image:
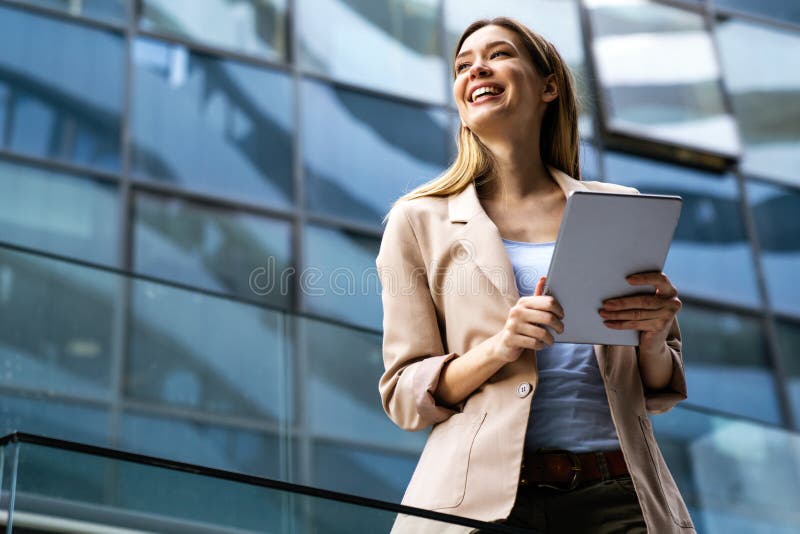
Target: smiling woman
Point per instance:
(526, 432)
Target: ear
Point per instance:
(550, 89)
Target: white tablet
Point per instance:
(603, 238)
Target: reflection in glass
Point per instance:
(557, 20)
(207, 354)
(211, 125)
(762, 73)
(725, 355)
(360, 471)
(710, 255)
(344, 366)
(56, 327)
(38, 412)
(392, 46)
(775, 212)
(340, 279)
(789, 351)
(781, 10)
(252, 26)
(51, 103)
(59, 213)
(380, 150)
(107, 10)
(659, 75)
(725, 470)
(231, 252)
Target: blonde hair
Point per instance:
(559, 134)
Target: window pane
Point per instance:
(60, 213)
(206, 354)
(211, 125)
(339, 278)
(782, 10)
(762, 73)
(660, 77)
(55, 417)
(50, 98)
(775, 212)
(344, 366)
(252, 26)
(107, 10)
(380, 150)
(725, 356)
(389, 45)
(56, 328)
(557, 20)
(710, 255)
(232, 252)
(358, 471)
(789, 347)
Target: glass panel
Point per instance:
(107, 10)
(210, 444)
(60, 213)
(232, 252)
(211, 125)
(710, 255)
(252, 26)
(357, 471)
(557, 20)
(780, 10)
(789, 351)
(51, 101)
(660, 76)
(46, 414)
(55, 332)
(102, 495)
(207, 354)
(381, 150)
(775, 212)
(340, 278)
(735, 476)
(390, 45)
(762, 74)
(340, 389)
(725, 355)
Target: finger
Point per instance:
(519, 340)
(537, 332)
(656, 279)
(543, 318)
(645, 302)
(539, 290)
(646, 326)
(636, 314)
(546, 303)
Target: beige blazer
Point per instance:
(447, 285)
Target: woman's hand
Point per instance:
(651, 314)
(525, 325)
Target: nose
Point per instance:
(478, 69)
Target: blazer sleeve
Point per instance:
(413, 353)
(662, 400)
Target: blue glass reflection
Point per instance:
(340, 279)
(775, 212)
(378, 150)
(780, 10)
(55, 417)
(710, 256)
(62, 88)
(211, 125)
(59, 213)
(207, 354)
(788, 334)
(106, 10)
(222, 250)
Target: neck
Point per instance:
(519, 172)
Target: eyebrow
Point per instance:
(489, 45)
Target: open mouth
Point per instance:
(484, 93)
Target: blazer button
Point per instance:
(524, 389)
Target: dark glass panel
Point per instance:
(105, 10)
(789, 351)
(780, 10)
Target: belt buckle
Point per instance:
(575, 468)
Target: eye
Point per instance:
(497, 53)
(461, 66)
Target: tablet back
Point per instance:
(603, 238)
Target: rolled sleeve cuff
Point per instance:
(426, 380)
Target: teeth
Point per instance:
(484, 90)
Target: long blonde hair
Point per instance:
(559, 135)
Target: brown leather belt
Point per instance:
(566, 470)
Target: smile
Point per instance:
(485, 93)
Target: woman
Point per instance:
(468, 345)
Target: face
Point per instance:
(496, 83)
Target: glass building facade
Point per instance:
(191, 195)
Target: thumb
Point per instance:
(539, 286)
